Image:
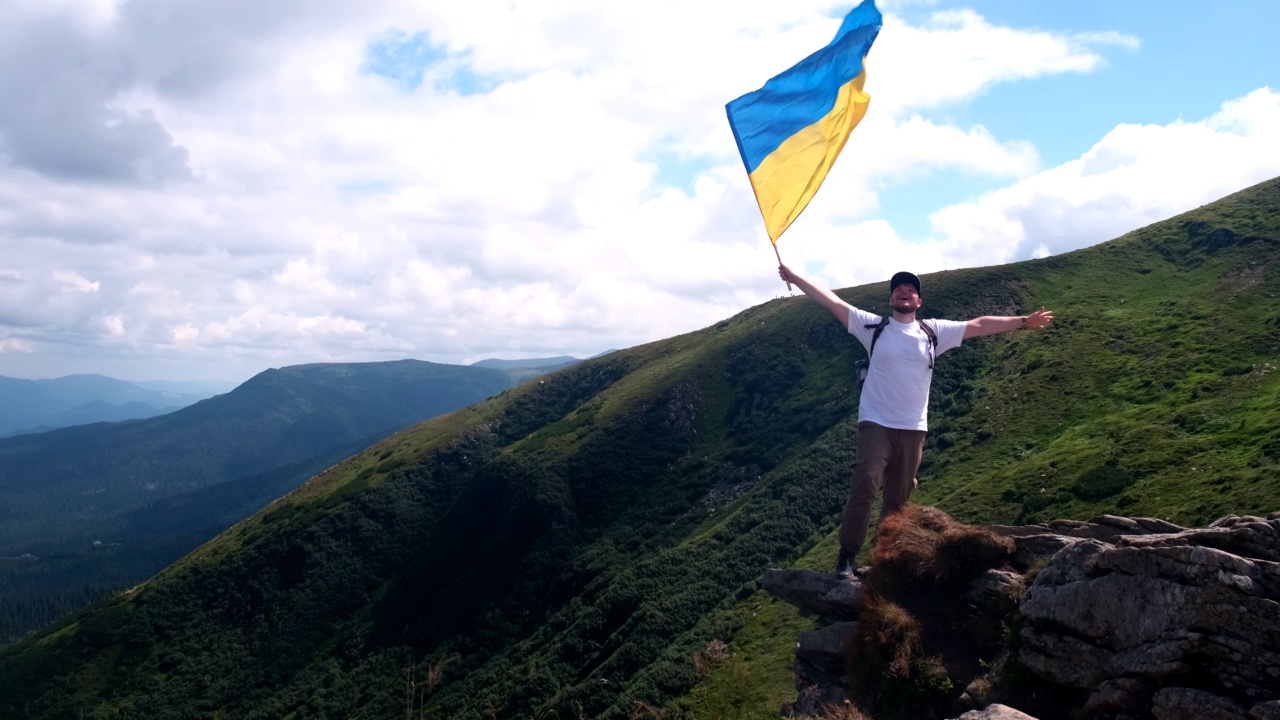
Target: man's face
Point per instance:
(904, 298)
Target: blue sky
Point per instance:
(1191, 57)
(404, 59)
(208, 190)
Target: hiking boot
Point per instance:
(847, 566)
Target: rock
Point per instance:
(820, 593)
(826, 648)
(1265, 711)
(1063, 659)
(1161, 609)
(821, 674)
(976, 695)
(996, 589)
(1158, 660)
(1044, 540)
(1248, 537)
(1105, 527)
(1031, 549)
(1119, 696)
(1176, 703)
(1144, 618)
(995, 712)
(830, 682)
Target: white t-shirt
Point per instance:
(896, 391)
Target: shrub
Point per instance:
(707, 660)
(1101, 482)
(1036, 502)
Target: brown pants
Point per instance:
(888, 459)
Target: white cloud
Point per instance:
(185, 332)
(957, 55)
(14, 345)
(74, 281)
(1134, 176)
(253, 197)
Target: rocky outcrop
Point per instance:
(1176, 623)
(1139, 617)
(821, 676)
(819, 593)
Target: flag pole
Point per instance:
(775, 254)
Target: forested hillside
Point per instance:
(148, 491)
(573, 546)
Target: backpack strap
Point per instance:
(880, 326)
(933, 339)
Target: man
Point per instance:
(894, 403)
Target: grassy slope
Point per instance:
(607, 522)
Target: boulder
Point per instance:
(1193, 611)
(822, 594)
(995, 712)
(1265, 711)
(820, 670)
(1176, 703)
(996, 589)
(826, 648)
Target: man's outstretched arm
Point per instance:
(822, 296)
(993, 324)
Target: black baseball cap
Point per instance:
(904, 277)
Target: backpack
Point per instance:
(863, 366)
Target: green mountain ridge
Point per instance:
(296, 412)
(572, 546)
(151, 490)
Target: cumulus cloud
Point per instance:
(74, 281)
(956, 55)
(209, 189)
(1134, 176)
(59, 118)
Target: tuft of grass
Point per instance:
(890, 636)
(919, 645)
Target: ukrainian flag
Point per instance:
(790, 131)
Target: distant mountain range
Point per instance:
(29, 406)
(590, 544)
(552, 363)
(154, 488)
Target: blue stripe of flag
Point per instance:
(805, 93)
